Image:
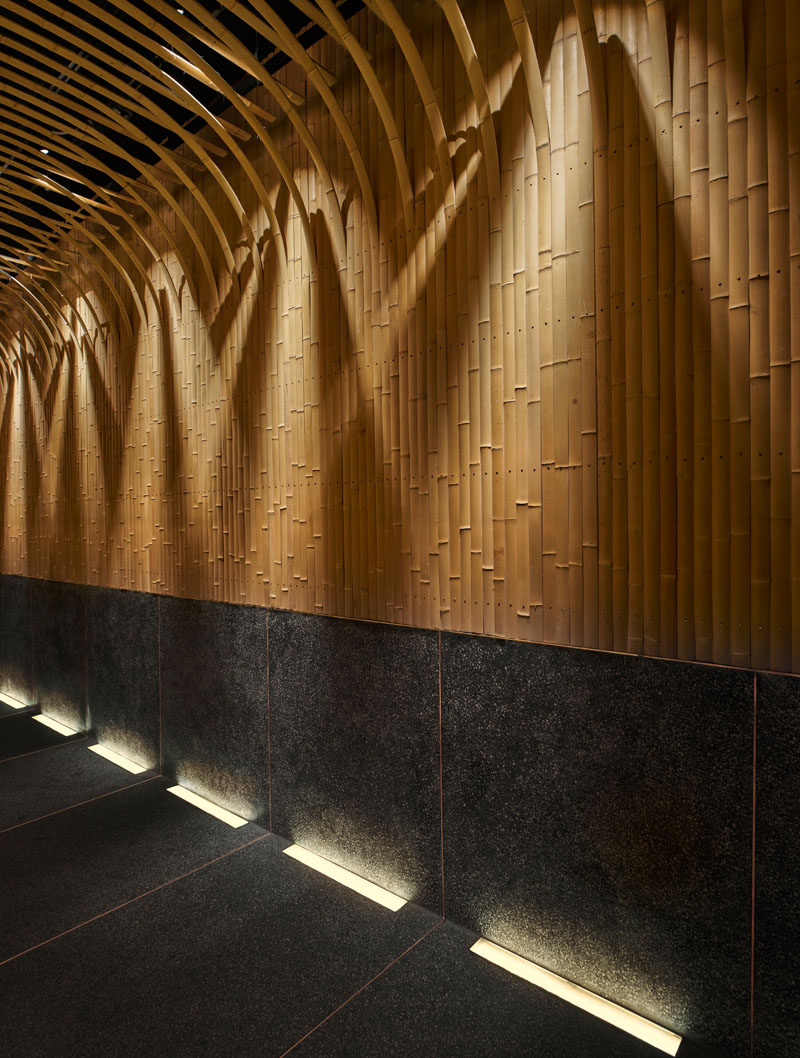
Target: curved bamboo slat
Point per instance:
(93, 135)
(480, 92)
(173, 163)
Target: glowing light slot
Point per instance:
(345, 877)
(634, 1024)
(54, 725)
(118, 759)
(13, 702)
(207, 806)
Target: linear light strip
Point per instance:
(344, 877)
(634, 1024)
(207, 806)
(55, 725)
(13, 702)
(118, 759)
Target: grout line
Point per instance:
(133, 900)
(361, 989)
(753, 877)
(86, 663)
(269, 738)
(441, 777)
(44, 749)
(160, 711)
(77, 804)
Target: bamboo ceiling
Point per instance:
(471, 315)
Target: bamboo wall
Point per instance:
(490, 322)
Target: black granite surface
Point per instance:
(241, 958)
(66, 868)
(10, 710)
(354, 715)
(123, 673)
(214, 702)
(59, 649)
(22, 735)
(777, 905)
(37, 784)
(598, 820)
(16, 658)
(441, 999)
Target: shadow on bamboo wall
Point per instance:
(498, 333)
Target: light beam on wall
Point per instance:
(634, 1024)
(207, 806)
(344, 877)
(54, 725)
(118, 759)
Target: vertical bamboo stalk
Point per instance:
(619, 513)
(720, 336)
(758, 238)
(780, 618)
(683, 341)
(793, 152)
(738, 331)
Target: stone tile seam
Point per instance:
(44, 749)
(363, 988)
(132, 900)
(78, 804)
(753, 875)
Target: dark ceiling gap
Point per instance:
(74, 14)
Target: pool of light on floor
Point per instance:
(634, 1024)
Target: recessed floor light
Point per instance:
(207, 806)
(13, 702)
(345, 877)
(634, 1024)
(118, 759)
(55, 725)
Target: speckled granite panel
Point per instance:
(598, 820)
(123, 672)
(59, 650)
(355, 747)
(777, 906)
(214, 702)
(16, 659)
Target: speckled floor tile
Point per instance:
(443, 1000)
(21, 734)
(35, 785)
(66, 868)
(10, 710)
(242, 958)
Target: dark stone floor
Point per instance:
(133, 924)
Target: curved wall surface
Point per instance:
(475, 316)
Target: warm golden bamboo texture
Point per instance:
(511, 341)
